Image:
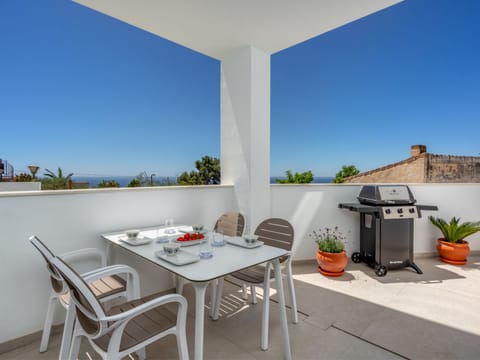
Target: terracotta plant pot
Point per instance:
(331, 264)
(453, 253)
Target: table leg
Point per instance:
(200, 288)
(108, 253)
(217, 299)
(281, 307)
(179, 282)
(213, 297)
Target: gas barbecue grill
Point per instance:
(386, 226)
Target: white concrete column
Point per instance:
(245, 131)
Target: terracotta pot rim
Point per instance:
(326, 252)
(459, 243)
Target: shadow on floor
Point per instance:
(430, 316)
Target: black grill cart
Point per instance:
(386, 213)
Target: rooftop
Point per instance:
(458, 168)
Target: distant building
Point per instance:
(7, 171)
(423, 167)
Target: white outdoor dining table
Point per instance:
(226, 260)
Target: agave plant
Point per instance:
(455, 231)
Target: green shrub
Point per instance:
(108, 184)
(297, 178)
(134, 183)
(23, 177)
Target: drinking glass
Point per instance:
(168, 224)
(206, 250)
(218, 238)
(161, 236)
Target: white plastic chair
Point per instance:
(107, 286)
(230, 224)
(125, 328)
(274, 232)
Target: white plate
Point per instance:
(190, 242)
(240, 241)
(182, 257)
(191, 231)
(135, 242)
(170, 231)
(162, 239)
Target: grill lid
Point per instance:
(386, 195)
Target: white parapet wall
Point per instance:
(314, 206)
(74, 219)
(20, 186)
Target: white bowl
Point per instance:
(197, 227)
(250, 239)
(171, 248)
(132, 234)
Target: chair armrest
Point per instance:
(133, 280)
(108, 271)
(156, 302)
(85, 254)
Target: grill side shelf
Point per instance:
(358, 207)
(427, 207)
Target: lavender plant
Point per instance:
(329, 240)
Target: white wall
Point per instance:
(245, 130)
(20, 186)
(69, 220)
(310, 207)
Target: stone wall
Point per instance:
(411, 170)
(453, 169)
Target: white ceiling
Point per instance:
(213, 27)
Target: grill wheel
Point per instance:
(380, 270)
(356, 257)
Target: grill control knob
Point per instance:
(411, 210)
(400, 211)
(387, 211)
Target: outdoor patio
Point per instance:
(357, 316)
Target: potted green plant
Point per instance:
(331, 254)
(452, 247)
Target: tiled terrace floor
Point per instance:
(358, 316)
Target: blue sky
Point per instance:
(96, 96)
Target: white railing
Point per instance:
(73, 219)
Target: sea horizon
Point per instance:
(124, 180)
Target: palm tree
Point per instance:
(52, 175)
(56, 181)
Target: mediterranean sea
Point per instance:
(93, 181)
